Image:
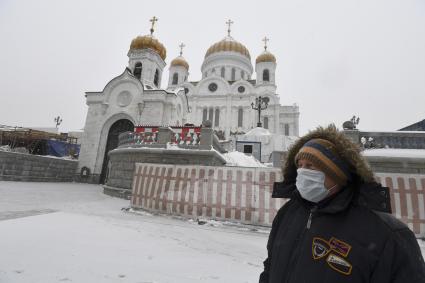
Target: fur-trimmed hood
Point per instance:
(346, 149)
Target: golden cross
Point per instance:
(153, 20)
(265, 39)
(181, 48)
(229, 23)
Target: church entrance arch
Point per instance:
(117, 128)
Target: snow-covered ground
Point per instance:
(64, 232)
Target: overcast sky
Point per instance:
(335, 59)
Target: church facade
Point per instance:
(224, 96)
(227, 90)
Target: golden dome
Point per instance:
(180, 61)
(266, 56)
(228, 44)
(150, 42)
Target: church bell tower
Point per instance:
(179, 70)
(146, 58)
(265, 67)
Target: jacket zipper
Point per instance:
(294, 260)
(310, 216)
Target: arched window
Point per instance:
(175, 79)
(138, 70)
(266, 75)
(223, 72)
(286, 129)
(204, 114)
(217, 117)
(266, 122)
(240, 117)
(242, 75)
(156, 78)
(233, 74)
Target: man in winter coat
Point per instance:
(337, 225)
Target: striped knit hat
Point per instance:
(323, 155)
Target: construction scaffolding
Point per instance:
(38, 142)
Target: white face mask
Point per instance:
(311, 185)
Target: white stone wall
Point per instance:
(213, 63)
(181, 72)
(228, 99)
(119, 100)
(260, 67)
(124, 98)
(269, 143)
(90, 139)
(151, 62)
(289, 115)
(229, 106)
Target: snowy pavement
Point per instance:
(65, 232)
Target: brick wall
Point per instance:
(123, 160)
(26, 167)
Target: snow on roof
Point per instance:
(395, 152)
(236, 158)
(258, 131)
(52, 130)
(392, 132)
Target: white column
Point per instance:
(199, 114)
(228, 121)
(277, 118)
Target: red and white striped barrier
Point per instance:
(188, 135)
(227, 193)
(407, 198)
(244, 194)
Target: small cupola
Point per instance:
(265, 66)
(178, 71)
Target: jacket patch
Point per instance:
(339, 246)
(339, 264)
(320, 248)
(335, 250)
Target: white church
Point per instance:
(224, 96)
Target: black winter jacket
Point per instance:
(351, 237)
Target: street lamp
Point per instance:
(58, 121)
(261, 103)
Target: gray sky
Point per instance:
(335, 58)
